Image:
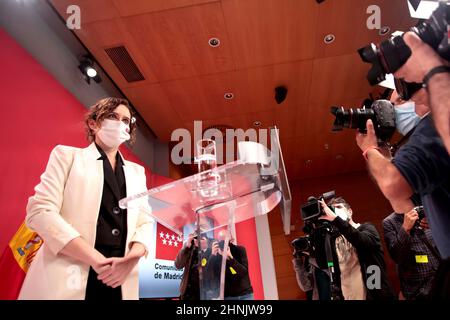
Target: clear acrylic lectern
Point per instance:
(219, 198)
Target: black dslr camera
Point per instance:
(391, 54)
(421, 213)
(381, 112)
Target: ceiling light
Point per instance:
(257, 123)
(86, 67)
(329, 38)
(228, 95)
(214, 42)
(91, 72)
(384, 31)
(424, 10)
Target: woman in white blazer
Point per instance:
(91, 247)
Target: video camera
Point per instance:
(381, 112)
(390, 55)
(317, 231)
(312, 209)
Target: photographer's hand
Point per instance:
(369, 140)
(215, 248)
(190, 240)
(421, 61)
(329, 214)
(409, 220)
(424, 224)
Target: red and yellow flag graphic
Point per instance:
(16, 260)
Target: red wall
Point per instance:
(37, 114)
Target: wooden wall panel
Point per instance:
(265, 32)
(175, 42)
(134, 7)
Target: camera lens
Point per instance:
(351, 118)
(386, 58)
(381, 112)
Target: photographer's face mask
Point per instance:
(341, 213)
(406, 117)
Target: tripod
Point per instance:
(334, 288)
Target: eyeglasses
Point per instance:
(115, 116)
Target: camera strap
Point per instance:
(432, 72)
(394, 148)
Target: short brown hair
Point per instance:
(103, 108)
(341, 201)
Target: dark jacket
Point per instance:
(237, 279)
(367, 243)
(188, 258)
(416, 279)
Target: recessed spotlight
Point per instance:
(86, 67)
(228, 95)
(91, 72)
(384, 31)
(308, 162)
(329, 38)
(257, 123)
(214, 42)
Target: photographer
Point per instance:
(360, 247)
(237, 278)
(410, 245)
(421, 166)
(188, 258)
(425, 65)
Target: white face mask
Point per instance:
(113, 133)
(341, 213)
(406, 118)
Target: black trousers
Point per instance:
(96, 289)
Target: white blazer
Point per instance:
(66, 206)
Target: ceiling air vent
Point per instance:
(125, 64)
